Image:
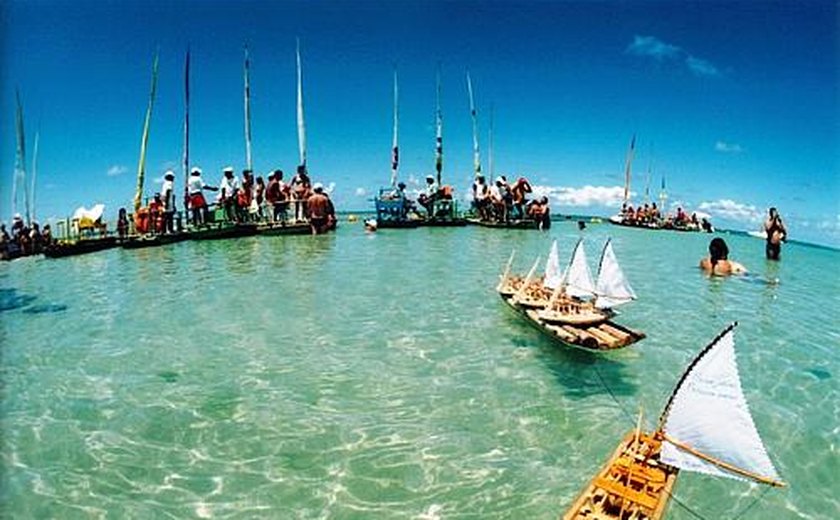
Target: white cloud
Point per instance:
(701, 67)
(652, 46)
(728, 208)
(610, 196)
(724, 147)
(116, 169)
(361, 192)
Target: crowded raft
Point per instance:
(650, 217)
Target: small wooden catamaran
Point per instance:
(706, 427)
(567, 306)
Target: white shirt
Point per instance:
(228, 186)
(196, 184)
(167, 191)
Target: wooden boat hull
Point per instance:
(632, 484)
(513, 224)
(144, 241)
(397, 224)
(273, 229)
(443, 222)
(80, 247)
(221, 231)
(593, 337)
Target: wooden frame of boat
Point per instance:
(513, 224)
(80, 247)
(632, 484)
(283, 228)
(143, 241)
(600, 336)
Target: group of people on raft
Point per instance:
(245, 199)
(23, 239)
(504, 202)
(649, 216)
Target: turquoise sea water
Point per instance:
(379, 376)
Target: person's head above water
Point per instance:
(718, 250)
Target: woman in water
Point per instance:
(717, 263)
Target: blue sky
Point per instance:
(735, 103)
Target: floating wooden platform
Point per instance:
(513, 224)
(80, 247)
(281, 228)
(633, 484)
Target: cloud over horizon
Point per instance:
(609, 196)
(653, 47)
(730, 209)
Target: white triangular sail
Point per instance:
(578, 279)
(474, 114)
(612, 287)
(553, 274)
(709, 414)
(300, 121)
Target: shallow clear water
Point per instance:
(379, 376)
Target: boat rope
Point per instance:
(751, 504)
(621, 407)
(632, 421)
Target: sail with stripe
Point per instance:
(395, 148)
(612, 287)
(186, 158)
(707, 426)
(34, 175)
(19, 177)
(577, 279)
(438, 133)
(300, 123)
(247, 73)
(141, 167)
(628, 167)
(553, 274)
(474, 114)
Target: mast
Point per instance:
(476, 157)
(438, 132)
(300, 123)
(490, 143)
(34, 172)
(248, 162)
(20, 161)
(627, 167)
(141, 167)
(663, 196)
(186, 163)
(395, 149)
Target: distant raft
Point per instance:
(706, 427)
(568, 306)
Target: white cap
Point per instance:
(17, 216)
(499, 179)
(317, 186)
(432, 177)
(228, 169)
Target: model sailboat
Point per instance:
(706, 427)
(563, 305)
(612, 288)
